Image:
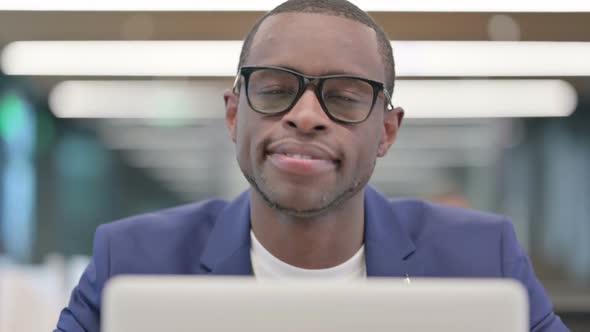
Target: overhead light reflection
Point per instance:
(420, 98)
(138, 99)
(219, 58)
(486, 98)
(266, 5)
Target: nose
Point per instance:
(307, 116)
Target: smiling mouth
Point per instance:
(299, 158)
(299, 164)
(312, 154)
(302, 156)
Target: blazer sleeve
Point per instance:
(83, 311)
(517, 265)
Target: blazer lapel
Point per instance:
(227, 251)
(388, 247)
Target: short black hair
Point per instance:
(340, 8)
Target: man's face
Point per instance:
(302, 162)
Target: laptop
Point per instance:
(224, 304)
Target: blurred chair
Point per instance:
(31, 297)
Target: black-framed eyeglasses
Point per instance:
(344, 98)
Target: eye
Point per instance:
(341, 97)
(274, 91)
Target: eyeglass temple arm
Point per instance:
(389, 101)
(235, 87)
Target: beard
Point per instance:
(329, 199)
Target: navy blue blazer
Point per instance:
(402, 237)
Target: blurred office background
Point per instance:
(116, 109)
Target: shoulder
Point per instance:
(453, 241)
(425, 219)
(199, 216)
(165, 241)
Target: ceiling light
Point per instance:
(485, 98)
(265, 5)
(420, 98)
(220, 58)
(121, 58)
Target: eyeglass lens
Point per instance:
(273, 91)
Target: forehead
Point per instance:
(317, 44)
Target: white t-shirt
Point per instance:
(267, 267)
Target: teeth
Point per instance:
(298, 156)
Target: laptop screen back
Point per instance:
(184, 304)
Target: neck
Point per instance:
(317, 242)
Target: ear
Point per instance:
(392, 121)
(231, 112)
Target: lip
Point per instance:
(313, 150)
(302, 158)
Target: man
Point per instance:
(310, 112)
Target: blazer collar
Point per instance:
(227, 251)
(388, 247)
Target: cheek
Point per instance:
(365, 148)
(243, 135)
(369, 140)
(247, 136)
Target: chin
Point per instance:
(293, 199)
(303, 202)
(299, 197)
(305, 198)
(301, 210)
